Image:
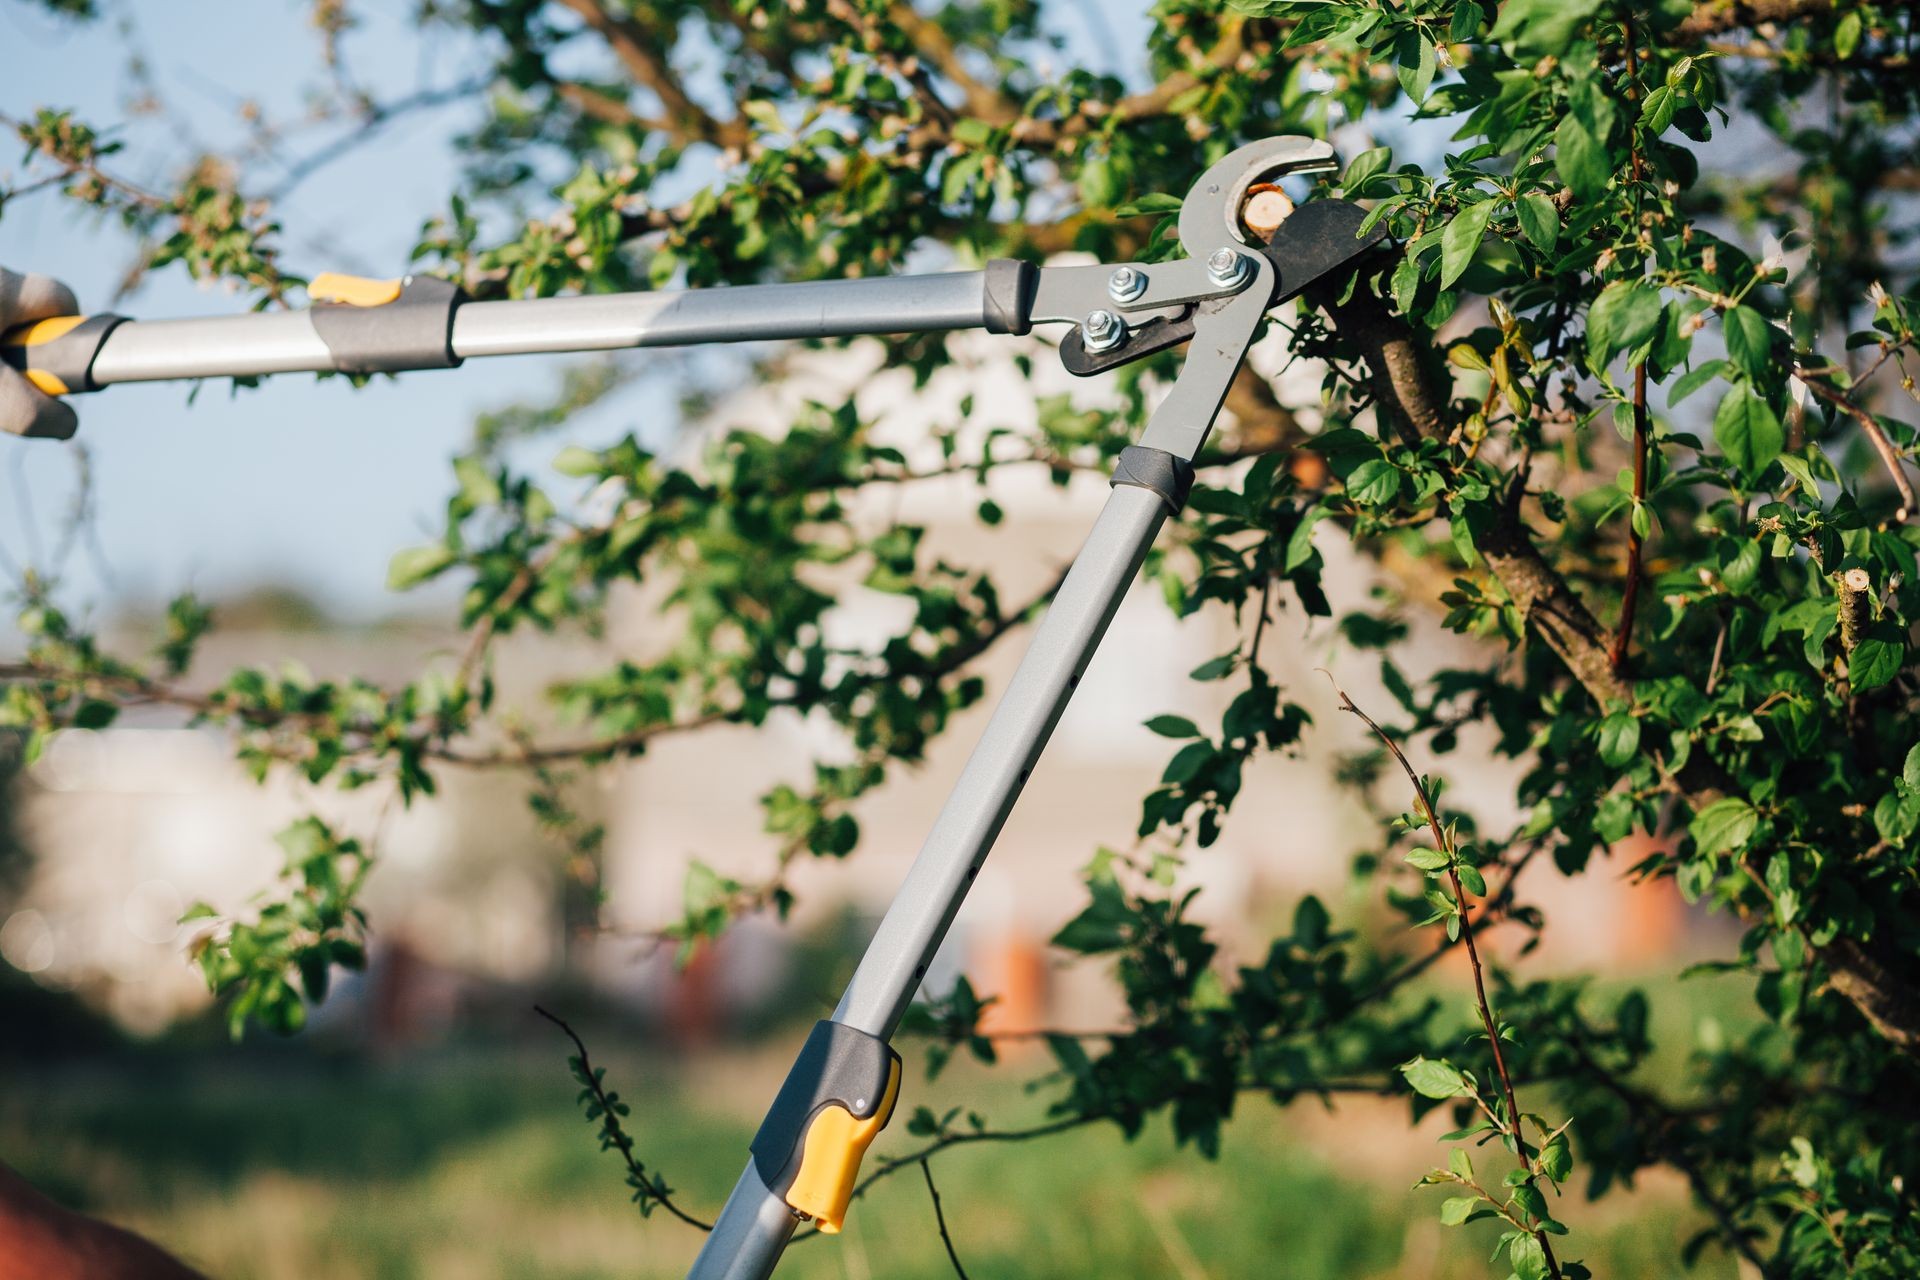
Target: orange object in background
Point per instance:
(693, 1000)
(1013, 966)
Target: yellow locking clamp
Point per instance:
(836, 1099)
(385, 326)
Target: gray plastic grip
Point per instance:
(1157, 470)
(1010, 285)
(414, 331)
(838, 1064)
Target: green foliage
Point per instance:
(1586, 362)
(280, 961)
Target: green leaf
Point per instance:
(972, 132)
(1467, 17)
(1781, 884)
(1415, 54)
(1300, 541)
(1462, 238)
(1619, 738)
(1846, 35)
(1374, 482)
(1364, 166)
(1529, 1199)
(1215, 668)
(1103, 925)
(1897, 816)
(1625, 315)
(1583, 159)
(414, 565)
(1877, 657)
(1152, 202)
(1911, 772)
(1174, 727)
(1694, 379)
(1529, 1257)
(1656, 113)
(1457, 1209)
(1310, 922)
(1188, 761)
(1801, 470)
(1435, 1079)
(576, 461)
(1749, 340)
(1532, 28)
(1556, 1159)
(1726, 824)
(1747, 431)
(1539, 221)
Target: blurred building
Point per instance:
(131, 824)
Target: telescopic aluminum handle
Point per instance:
(370, 326)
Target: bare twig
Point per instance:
(1881, 445)
(946, 1239)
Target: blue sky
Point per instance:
(307, 483)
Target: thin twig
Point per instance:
(946, 1239)
(616, 1136)
(1441, 842)
(1630, 591)
(1881, 445)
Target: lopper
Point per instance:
(1248, 250)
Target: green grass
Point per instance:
(480, 1165)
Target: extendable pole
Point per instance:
(754, 1227)
(390, 326)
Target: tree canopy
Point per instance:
(1633, 395)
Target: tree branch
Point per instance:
(941, 1218)
(612, 1134)
(642, 50)
(1889, 457)
(1716, 17)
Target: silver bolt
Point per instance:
(1102, 331)
(1227, 267)
(1126, 284)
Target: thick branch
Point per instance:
(643, 50)
(930, 40)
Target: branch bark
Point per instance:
(1718, 17)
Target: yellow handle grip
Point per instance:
(56, 354)
(830, 1158)
(17, 349)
